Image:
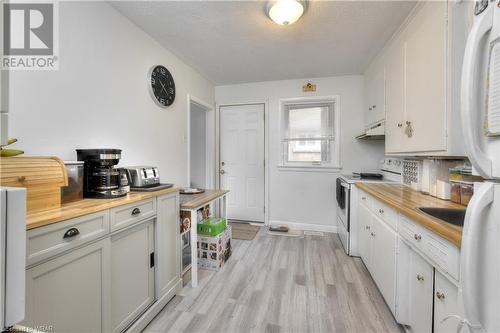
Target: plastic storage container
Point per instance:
(212, 226)
(74, 190)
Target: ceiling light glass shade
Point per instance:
(285, 12)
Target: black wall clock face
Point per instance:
(162, 86)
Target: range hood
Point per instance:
(374, 132)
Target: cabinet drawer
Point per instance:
(387, 214)
(45, 242)
(442, 253)
(124, 216)
(411, 232)
(365, 199)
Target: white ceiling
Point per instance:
(235, 42)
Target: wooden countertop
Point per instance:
(406, 201)
(40, 218)
(193, 201)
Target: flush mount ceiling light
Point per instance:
(285, 12)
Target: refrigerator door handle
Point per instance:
(469, 96)
(468, 272)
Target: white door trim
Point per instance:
(266, 148)
(210, 140)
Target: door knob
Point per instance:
(222, 172)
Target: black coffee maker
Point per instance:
(100, 177)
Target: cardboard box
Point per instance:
(214, 251)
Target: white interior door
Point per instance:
(242, 160)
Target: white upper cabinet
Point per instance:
(422, 74)
(375, 93)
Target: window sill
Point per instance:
(310, 168)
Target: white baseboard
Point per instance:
(306, 226)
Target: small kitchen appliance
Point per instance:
(145, 178)
(101, 179)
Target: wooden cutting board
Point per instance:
(43, 178)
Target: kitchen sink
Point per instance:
(450, 215)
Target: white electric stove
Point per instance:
(347, 194)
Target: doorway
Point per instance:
(241, 160)
(200, 144)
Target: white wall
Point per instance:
(198, 144)
(99, 96)
(307, 199)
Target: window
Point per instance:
(309, 133)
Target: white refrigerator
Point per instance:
(13, 255)
(480, 110)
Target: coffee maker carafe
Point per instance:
(100, 177)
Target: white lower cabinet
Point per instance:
(384, 260)
(415, 290)
(109, 281)
(167, 244)
(377, 247)
(132, 274)
(69, 293)
(364, 236)
(446, 303)
(406, 260)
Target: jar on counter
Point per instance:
(455, 192)
(466, 192)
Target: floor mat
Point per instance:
(243, 231)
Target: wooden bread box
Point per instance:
(42, 177)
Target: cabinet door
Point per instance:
(394, 94)
(384, 260)
(375, 93)
(167, 244)
(421, 294)
(69, 293)
(364, 237)
(446, 302)
(132, 274)
(378, 93)
(425, 85)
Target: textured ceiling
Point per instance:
(234, 41)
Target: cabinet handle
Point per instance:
(400, 125)
(136, 211)
(418, 238)
(381, 211)
(420, 277)
(373, 235)
(367, 227)
(70, 233)
(374, 107)
(440, 295)
(409, 129)
(363, 198)
(369, 109)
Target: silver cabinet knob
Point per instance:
(418, 238)
(367, 227)
(400, 125)
(420, 277)
(381, 211)
(363, 198)
(440, 295)
(222, 172)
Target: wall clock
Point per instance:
(161, 86)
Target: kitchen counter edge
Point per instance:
(40, 218)
(447, 231)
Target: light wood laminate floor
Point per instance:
(281, 284)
